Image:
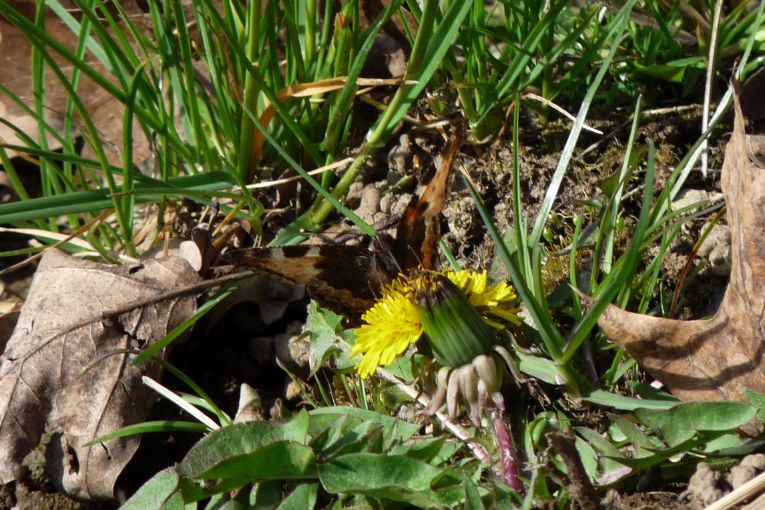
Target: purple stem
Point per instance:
(589, 362)
(507, 454)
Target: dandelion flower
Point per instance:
(441, 305)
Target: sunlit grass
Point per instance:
(225, 91)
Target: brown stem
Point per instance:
(579, 484)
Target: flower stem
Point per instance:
(507, 454)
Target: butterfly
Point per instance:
(349, 279)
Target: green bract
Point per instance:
(453, 328)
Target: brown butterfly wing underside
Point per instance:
(348, 279)
(418, 230)
(345, 279)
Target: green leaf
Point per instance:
(623, 403)
(588, 456)
(681, 423)
(229, 444)
(472, 496)
(355, 437)
(434, 450)
(667, 72)
(326, 440)
(608, 453)
(283, 460)
(640, 441)
(324, 327)
(758, 400)
(395, 430)
(161, 491)
(403, 367)
(727, 441)
(343, 359)
(598, 442)
(150, 426)
(365, 437)
(266, 495)
(223, 502)
(345, 434)
(540, 368)
(751, 446)
(393, 477)
(302, 498)
(647, 392)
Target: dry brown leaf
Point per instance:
(66, 368)
(714, 359)
(8, 321)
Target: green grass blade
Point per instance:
(607, 230)
(150, 427)
(550, 335)
(202, 186)
(427, 53)
(617, 280)
(616, 30)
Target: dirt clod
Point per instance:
(708, 485)
(750, 467)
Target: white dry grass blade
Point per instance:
(175, 399)
(326, 168)
(711, 60)
(617, 28)
(58, 239)
(725, 102)
(53, 236)
(560, 110)
(721, 109)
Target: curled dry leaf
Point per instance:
(68, 369)
(716, 358)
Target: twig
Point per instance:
(757, 504)
(579, 486)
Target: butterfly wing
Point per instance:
(348, 279)
(345, 279)
(418, 230)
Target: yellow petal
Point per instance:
(392, 325)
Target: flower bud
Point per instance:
(454, 329)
